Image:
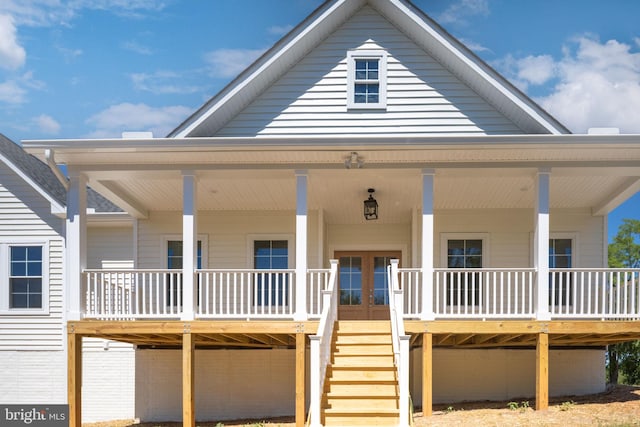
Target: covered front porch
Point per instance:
(501, 242)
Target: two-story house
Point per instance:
(262, 278)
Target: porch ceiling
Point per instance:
(340, 192)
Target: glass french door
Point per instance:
(363, 284)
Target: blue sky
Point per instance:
(95, 68)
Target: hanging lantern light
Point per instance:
(370, 206)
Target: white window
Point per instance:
(366, 79)
(464, 253)
(271, 252)
(24, 284)
(560, 257)
(173, 248)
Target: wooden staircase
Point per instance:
(361, 387)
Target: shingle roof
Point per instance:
(44, 177)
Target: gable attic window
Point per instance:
(366, 79)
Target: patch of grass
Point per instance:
(518, 406)
(565, 406)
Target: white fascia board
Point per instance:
(476, 65)
(56, 208)
(71, 146)
(263, 64)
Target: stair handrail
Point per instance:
(320, 344)
(400, 341)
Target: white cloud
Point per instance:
(163, 82)
(474, 46)
(111, 122)
(58, 12)
(594, 84)
(459, 11)
(12, 55)
(46, 124)
(12, 93)
(599, 85)
(230, 62)
(136, 47)
(536, 70)
(279, 30)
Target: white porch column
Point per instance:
(428, 176)
(189, 244)
(301, 246)
(76, 243)
(541, 243)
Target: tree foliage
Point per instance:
(624, 252)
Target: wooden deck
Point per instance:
(257, 334)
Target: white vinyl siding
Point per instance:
(25, 216)
(109, 244)
(225, 236)
(422, 96)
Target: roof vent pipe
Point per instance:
(603, 131)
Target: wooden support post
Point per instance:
(74, 379)
(542, 372)
(427, 374)
(188, 384)
(301, 342)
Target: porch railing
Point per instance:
(511, 293)
(320, 346)
(123, 294)
(588, 293)
(245, 293)
(456, 293)
(220, 293)
(400, 342)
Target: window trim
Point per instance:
(204, 238)
(290, 238)
(444, 249)
(5, 270)
(574, 244)
(352, 56)
(445, 237)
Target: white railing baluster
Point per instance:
(459, 293)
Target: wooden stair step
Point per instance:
(373, 374)
(362, 360)
(350, 389)
(365, 349)
(369, 339)
(363, 327)
(360, 418)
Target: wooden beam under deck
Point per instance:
(230, 333)
(522, 333)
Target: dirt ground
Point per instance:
(618, 407)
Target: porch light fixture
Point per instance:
(370, 206)
(353, 160)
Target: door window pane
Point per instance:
(350, 280)
(381, 280)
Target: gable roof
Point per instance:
(40, 176)
(415, 24)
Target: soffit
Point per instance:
(340, 193)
